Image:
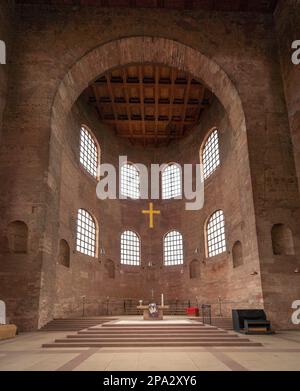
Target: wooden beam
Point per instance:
(160, 105)
(97, 97)
(156, 97)
(149, 136)
(201, 106)
(141, 86)
(124, 73)
(172, 92)
(136, 121)
(112, 98)
(186, 99)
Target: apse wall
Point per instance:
(216, 277)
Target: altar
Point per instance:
(147, 315)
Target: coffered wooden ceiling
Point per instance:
(149, 104)
(211, 5)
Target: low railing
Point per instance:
(221, 308)
(112, 306)
(175, 306)
(206, 313)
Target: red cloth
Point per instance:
(192, 311)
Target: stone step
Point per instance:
(153, 339)
(74, 324)
(156, 325)
(88, 318)
(146, 332)
(158, 328)
(151, 344)
(151, 335)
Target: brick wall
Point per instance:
(56, 53)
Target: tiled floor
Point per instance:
(280, 352)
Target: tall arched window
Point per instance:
(86, 236)
(130, 249)
(130, 181)
(88, 152)
(171, 181)
(215, 233)
(211, 154)
(173, 248)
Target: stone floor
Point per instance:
(280, 352)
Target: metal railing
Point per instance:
(206, 313)
(110, 306)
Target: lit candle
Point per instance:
(162, 299)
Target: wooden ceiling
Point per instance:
(211, 5)
(148, 103)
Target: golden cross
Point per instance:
(151, 212)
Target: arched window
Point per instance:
(210, 154)
(171, 181)
(64, 253)
(282, 240)
(237, 254)
(215, 232)
(130, 248)
(130, 181)
(86, 237)
(173, 248)
(88, 152)
(17, 234)
(195, 268)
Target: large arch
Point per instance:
(143, 49)
(121, 52)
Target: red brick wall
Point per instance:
(6, 18)
(35, 165)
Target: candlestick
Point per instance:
(162, 299)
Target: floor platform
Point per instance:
(156, 333)
(279, 352)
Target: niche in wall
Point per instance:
(237, 254)
(194, 269)
(109, 268)
(64, 253)
(17, 235)
(282, 240)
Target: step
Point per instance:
(74, 324)
(155, 326)
(150, 344)
(88, 318)
(143, 332)
(152, 339)
(124, 327)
